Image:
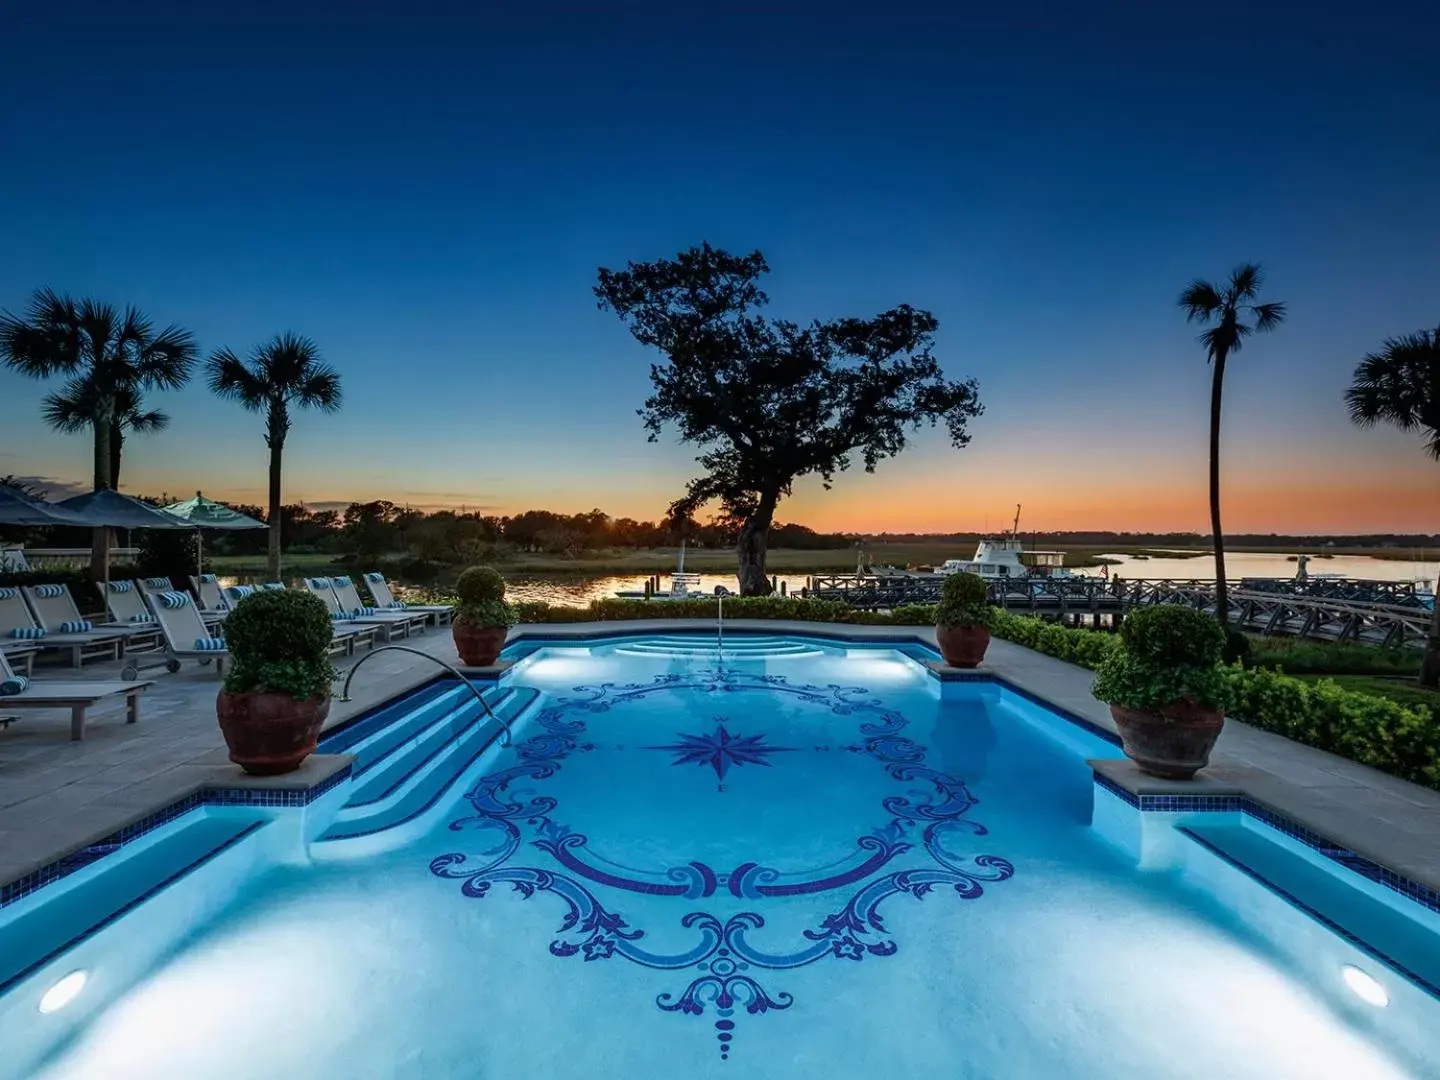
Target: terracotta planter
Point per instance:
(478, 646)
(963, 646)
(1173, 743)
(270, 733)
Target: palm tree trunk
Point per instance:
(1217, 386)
(276, 448)
(100, 541)
(117, 442)
(750, 547)
(1430, 663)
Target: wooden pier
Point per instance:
(1390, 613)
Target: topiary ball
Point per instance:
(279, 625)
(964, 588)
(1168, 635)
(480, 584)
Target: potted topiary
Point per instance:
(962, 620)
(1166, 689)
(277, 694)
(482, 617)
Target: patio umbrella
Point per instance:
(203, 513)
(17, 508)
(118, 511)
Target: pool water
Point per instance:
(786, 860)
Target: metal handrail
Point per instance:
(345, 689)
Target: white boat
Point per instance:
(683, 586)
(1005, 559)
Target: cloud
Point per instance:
(53, 486)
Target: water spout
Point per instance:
(475, 690)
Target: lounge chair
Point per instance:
(439, 614)
(186, 635)
(55, 609)
(152, 586)
(21, 655)
(344, 605)
(344, 636)
(12, 561)
(125, 603)
(18, 627)
(62, 693)
(209, 594)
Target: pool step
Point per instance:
(1354, 906)
(737, 647)
(414, 775)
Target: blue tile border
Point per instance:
(1367, 868)
(59, 950)
(210, 795)
(1290, 898)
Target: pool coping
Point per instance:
(321, 772)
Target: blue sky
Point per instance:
(427, 190)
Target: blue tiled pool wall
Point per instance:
(258, 798)
(1200, 804)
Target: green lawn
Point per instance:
(250, 565)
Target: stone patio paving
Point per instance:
(57, 796)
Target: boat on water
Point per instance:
(1005, 558)
(683, 586)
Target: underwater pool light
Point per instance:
(66, 990)
(1366, 988)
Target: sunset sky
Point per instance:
(427, 190)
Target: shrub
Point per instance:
(482, 598)
(1167, 654)
(279, 642)
(166, 553)
(1168, 635)
(964, 601)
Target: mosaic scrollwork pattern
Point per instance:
(725, 966)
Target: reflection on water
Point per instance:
(1240, 564)
(573, 591)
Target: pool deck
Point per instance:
(58, 796)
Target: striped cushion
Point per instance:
(239, 592)
(207, 578)
(209, 644)
(8, 593)
(396, 605)
(341, 616)
(76, 626)
(142, 618)
(273, 585)
(158, 582)
(173, 599)
(16, 684)
(374, 575)
(28, 633)
(363, 611)
(319, 583)
(119, 586)
(49, 592)
(340, 582)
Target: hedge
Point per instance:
(1371, 730)
(736, 607)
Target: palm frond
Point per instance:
(1268, 316)
(146, 423)
(44, 341)
(1201, 300)
(320, 389)
(229, 377)
(166, 359)
(1245, 282)
(67, 412)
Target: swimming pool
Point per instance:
(792, 858)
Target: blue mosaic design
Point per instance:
(720, 750)
(726, 967)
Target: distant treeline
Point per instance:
(1183, 539)
(367, 531)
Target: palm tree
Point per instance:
(1226, 308)
(1400, 385)
(283, 373)
(73, 410)
(112, 350)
